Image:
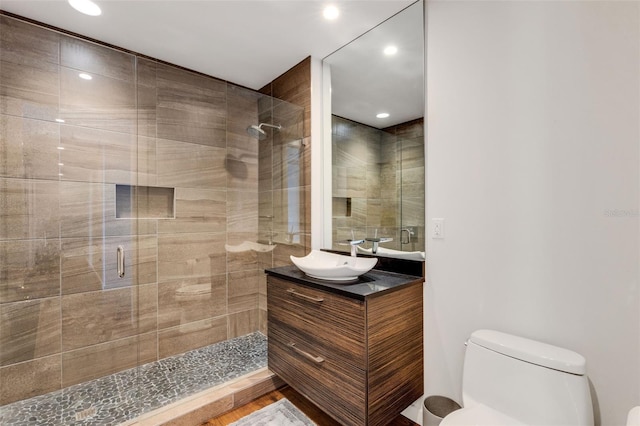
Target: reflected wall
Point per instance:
(378, 183)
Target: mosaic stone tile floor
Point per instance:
(114, 399)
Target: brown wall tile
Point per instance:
(103, 316)
(30, 330)
(197, 210)
(190, 255)
(31, 92)
(92, 155)
(28, 209)
(183, 338)
(29, 148)
(27, 44)
(243, 290)
(31, 378)
(191, 299)
(101, 103)
(30, 269)
(242, 323)
(191, 108)
(95, 59)
(107, 358)
(190, 165)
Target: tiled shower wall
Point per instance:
(378, 182)
(65, 315)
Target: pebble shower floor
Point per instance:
(123, 396)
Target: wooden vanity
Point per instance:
(355, 350)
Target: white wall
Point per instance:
(533, 160)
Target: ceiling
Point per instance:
(249, 43)
(365, 81)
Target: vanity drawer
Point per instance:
(322, 319)
(338, 388)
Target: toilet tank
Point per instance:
(533, 382)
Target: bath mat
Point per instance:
(280, 413)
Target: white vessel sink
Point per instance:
(333, 267)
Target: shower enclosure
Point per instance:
(126, 187)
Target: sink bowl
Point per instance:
(333, 267)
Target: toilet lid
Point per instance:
(479, 415)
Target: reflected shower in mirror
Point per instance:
(377, 138)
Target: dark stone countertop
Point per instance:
(371, 284)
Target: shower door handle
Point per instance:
(120, 261)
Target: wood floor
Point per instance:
(310, 410)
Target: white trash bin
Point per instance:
(435, 408)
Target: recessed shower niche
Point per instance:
(147, 202)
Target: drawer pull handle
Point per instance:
(316, 359)
(305, 297)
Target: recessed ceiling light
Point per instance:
(383, 115)
(86, 6)
(61, 148)
(390, 50)
(331, 12)
(59, 120)
(84, 76)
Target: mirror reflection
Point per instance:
(377, 139)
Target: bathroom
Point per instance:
(531, 159)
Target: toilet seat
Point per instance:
(479, 415)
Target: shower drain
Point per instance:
(85, 414)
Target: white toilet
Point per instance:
(510, 380)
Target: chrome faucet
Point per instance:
(354, 246)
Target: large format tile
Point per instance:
(107, 358)
(191, 299)
(30, 269)
(92, 155)
(191, 107)
(242, 211)
(96, 59)
(29, 148)
(191, 255)
(193, 335)
(242, 323)
(29, 330)
(90, 264)
(27, 44)
(101, 103)
(243, 290)
(190, 165)
(27, 379)
(103, 316)
(197, 210)
(28, 91)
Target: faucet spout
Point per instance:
(354, 246)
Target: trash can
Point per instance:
(435, 407)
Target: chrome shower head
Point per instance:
(258, 132)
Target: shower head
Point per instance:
(257, 132)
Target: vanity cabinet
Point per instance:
(354, 350)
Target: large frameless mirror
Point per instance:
(377, 139)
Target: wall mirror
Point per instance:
(377, 139)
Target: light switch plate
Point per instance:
(437, 227)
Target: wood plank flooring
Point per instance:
(310, 410)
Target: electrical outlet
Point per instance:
(437, 226)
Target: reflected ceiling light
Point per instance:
(331, 12)
(60, 164)
(84, 76)
(59, 120)
(86, 6)
(390, 50)
(383, 115)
